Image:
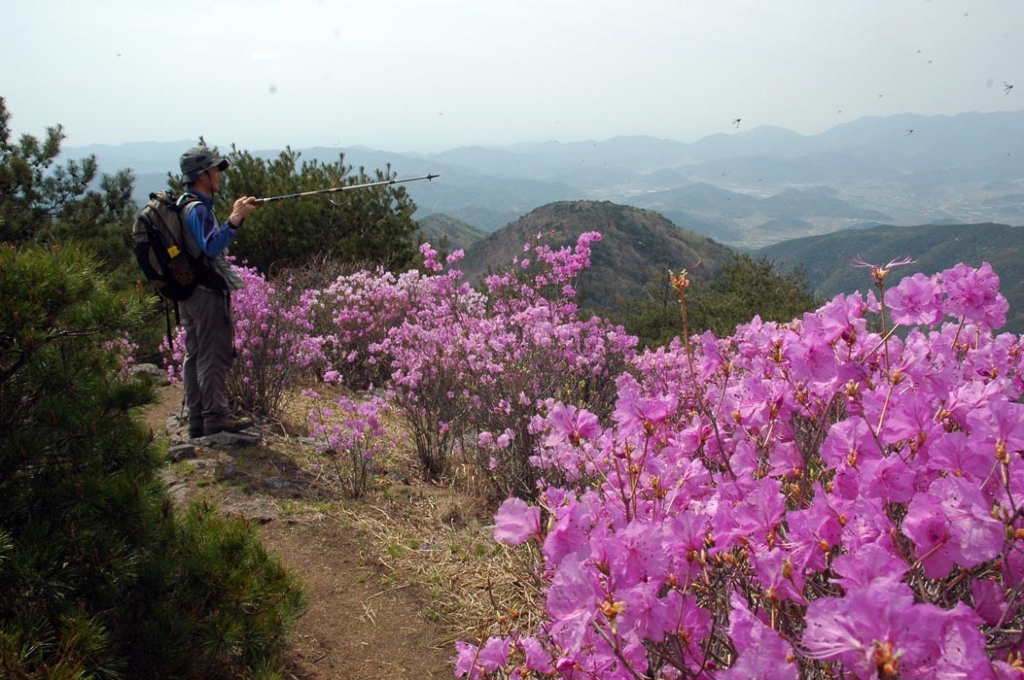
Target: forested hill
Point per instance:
(826, 259)
(455, 233)
(635, 245)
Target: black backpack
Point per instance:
(158, 240)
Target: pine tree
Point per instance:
(32, 191)
(100, 577)
(43, 202)
(745, 287)
(748, 287)
(367, 226)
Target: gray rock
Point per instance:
(397, 477)
(151, 370)
(179, 492)
(259, 510)
(230, 440)
(226, 471)
(180, 452)
(277, 483)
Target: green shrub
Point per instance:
(98, 576)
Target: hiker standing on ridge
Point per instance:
(206, 314)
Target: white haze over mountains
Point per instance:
(422, 77)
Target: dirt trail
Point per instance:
(360, 625)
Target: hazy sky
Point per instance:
(428, 75)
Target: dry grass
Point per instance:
(422, 537)
(437, 536)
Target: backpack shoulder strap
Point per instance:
(185, 204)
(186, 199)
(206, 266)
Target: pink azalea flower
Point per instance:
(687, 531)
(912, 417)
(537, 659)
(971, 400)
(572, 604)
(633, 554)
(928, 527)
(848, 442)
(571, 424)
(963, 647)
(952, 524)
(645, 615)
(694, 622)
(516, 522)
(865, 522)
(1002, 425)
(989, 600)
(569, 533)
(811, 534)
(859, 568)
(915, 300)
(973, 294)
(841, 317)
(813, 360)
(777, 575)
(889, 479)
(763, 654)
(636, 414)
(1004, 671)
(754, 518)
(955, 453)
(494, 654)
(465, 661)
(874, 628)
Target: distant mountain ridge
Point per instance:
(905, 169)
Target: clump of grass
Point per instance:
(472, 582)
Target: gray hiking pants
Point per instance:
(209, 348)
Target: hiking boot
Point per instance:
(228, 425)
(195, 426)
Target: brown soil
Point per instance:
(358, 625)
(364, 621)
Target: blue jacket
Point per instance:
(213, 238)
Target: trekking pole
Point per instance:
(349, 187)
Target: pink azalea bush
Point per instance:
(433, 354)
(272, 346)
(835, 497)
(466, 369)
(350, 437)
(353, 315)
(471, 368)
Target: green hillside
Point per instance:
(827, 259)
(458, 234)
(635, 246)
